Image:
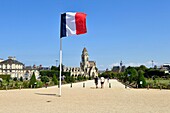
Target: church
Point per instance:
(87, 68)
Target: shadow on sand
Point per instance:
(45, 94)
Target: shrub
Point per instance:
(4, 83)
(90, 78)
(15, 78)
(21, 79)
(55, 79)
(45, 79)
(84, 78)
(39, 84)
(141, 78)
(72, 79)
(5, 77)
(26, 84)
(79, 78)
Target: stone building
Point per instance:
(87, 68)
(119, 69)
(16, 69)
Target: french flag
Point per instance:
(72, 24)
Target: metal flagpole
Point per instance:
(60, 64)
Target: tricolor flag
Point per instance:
(72, 24)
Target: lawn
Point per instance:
(158, 82)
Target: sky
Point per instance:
(134, 31)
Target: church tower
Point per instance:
(85, 61)
(85, 58)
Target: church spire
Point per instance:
(84, 50)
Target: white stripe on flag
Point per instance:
(70, 24)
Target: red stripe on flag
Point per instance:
(80, 19)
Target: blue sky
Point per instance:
(134, 31)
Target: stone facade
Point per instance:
(87, 68)
(16, 69)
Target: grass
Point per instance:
(165, 83)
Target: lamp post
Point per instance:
(56, 62)
(152, 63)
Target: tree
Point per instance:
(141, 79)
(55, 79)
(143, 68)
(131, 74)
(45, 79)
(15, 78)
(32, 80)
(54, 68)
(21, 79)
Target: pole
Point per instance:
(60, 64)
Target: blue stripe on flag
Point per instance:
(63, 25)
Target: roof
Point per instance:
(10, 61)
(92, 63)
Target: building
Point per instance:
(87, 68)
(166, 68)
(16, 69)
(119, 69)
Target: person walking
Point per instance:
(96, 81)
(102, 80)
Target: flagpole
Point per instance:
(60, 64)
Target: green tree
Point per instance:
(143, 68)
(4, 83)
(55, 79)
(26, 84)
(21, 79)
(131, 74)
(15, 78)
(45, 79)
(32, 80)
(54, 68)
(141, 79)
(39, 84)
(72, 79)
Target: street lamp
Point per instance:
(56, 62)
(152, 63)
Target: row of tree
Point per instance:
(136, 76)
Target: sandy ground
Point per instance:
(77, 99)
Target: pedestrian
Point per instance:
(102, 80)
(96, 81)
(108, 79)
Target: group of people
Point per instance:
(102, 80)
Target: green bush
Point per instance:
(5, 77)
(26, 84)
(45, 79)
(39, 84)
(141, 78)
(55, 80)
(84, 78)
(70, 79)
(79, 78)
(15, 78)
(21, 79)
(11, 84)
(4, 83)
(90, 78)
